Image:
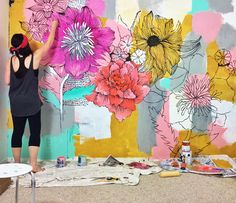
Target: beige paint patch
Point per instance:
(127, 10)
(175, 10)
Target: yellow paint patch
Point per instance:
(186, 25)
(103, 21)
(229, 150)
(123, 142)
(220, 75)
(16, 16)
(9, 120)
(201, 145)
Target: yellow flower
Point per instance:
(159, 40)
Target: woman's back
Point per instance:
(23, 92)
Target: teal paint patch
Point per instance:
(165, 83)
(51, 146)
(50, 97)
(199, 6)
(77, 93)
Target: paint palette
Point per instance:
(223, 161)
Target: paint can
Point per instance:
(82, 160)
(61, 161)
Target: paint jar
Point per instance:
(187, 156)
(185, 146)
(61, 161)
(82, 160)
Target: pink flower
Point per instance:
(119, 87)
(119, 54)
(125, 43)
(197, 95)
(47, 7)
(81, 41)
(35, 27)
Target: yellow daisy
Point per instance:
(160, 41)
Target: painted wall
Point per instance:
(134, 78)
(4, 16)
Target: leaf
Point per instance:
(50, 98)
(78, 93)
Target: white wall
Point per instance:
(4, 19)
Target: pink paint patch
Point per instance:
(233, 53)
(217, 135)
(97, 6)
(27, 12)
(120, 31)
(166, 137)
(207, 24)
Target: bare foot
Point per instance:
(37, 168)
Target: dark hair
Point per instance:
(16, 41)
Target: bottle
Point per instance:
(185, 146)
(186, 152)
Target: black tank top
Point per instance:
(23, 92)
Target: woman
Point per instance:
(22, 76)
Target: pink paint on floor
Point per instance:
(207, 24)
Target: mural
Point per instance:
(136, 78)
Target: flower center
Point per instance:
(78, 41)
(47, 7)
(153, 41)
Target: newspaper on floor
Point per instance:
(229, 173)
(95, 173)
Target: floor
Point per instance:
(189, 188)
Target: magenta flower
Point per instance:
(119, 87)
(81, 41)
(47, 7)
(196, 96)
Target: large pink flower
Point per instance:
(119, 87)
(81, 41)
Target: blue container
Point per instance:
(82, 160)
